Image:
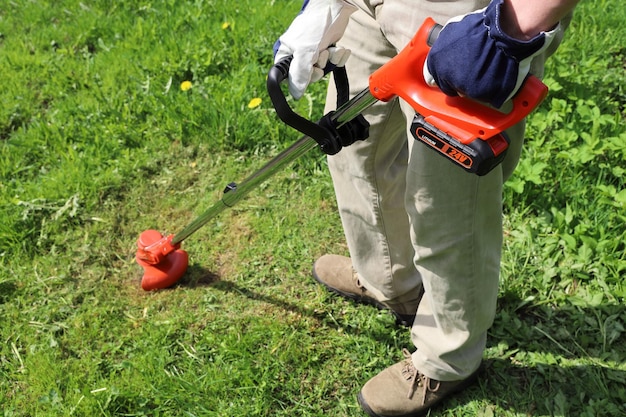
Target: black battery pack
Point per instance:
(478, 156)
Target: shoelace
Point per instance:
(416, 379)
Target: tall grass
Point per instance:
(98, 141)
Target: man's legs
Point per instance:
(414, 219)
(455, 233)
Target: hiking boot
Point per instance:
(403, 391)
(335, 272)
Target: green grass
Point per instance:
(98, 143)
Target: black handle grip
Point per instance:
(326, 138)
(279, 73)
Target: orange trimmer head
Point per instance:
(163, 263)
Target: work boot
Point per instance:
(403, 391)
(336, 273)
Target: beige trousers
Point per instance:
(411, 218)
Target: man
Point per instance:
(424, 236)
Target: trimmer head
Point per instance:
(163, 263)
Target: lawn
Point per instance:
(122, 116)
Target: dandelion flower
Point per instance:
(185, 85)
(225, 25)
(255, 102)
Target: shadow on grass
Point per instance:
(546, 360)
(197, 276)
(557, 360)
(571, 331)
(7, 290)
(550, 389)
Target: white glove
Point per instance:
(310, 39)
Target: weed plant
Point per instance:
(120, 116)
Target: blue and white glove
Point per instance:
(474, 57)
(310, 39)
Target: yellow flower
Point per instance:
(255, 102)
(225, 25)
(185, 85)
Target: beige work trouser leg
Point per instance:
(412, 218)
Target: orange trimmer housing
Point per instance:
(468, 133)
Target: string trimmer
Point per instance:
(469, 134)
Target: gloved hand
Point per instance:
(310, 39)
(474, 57)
